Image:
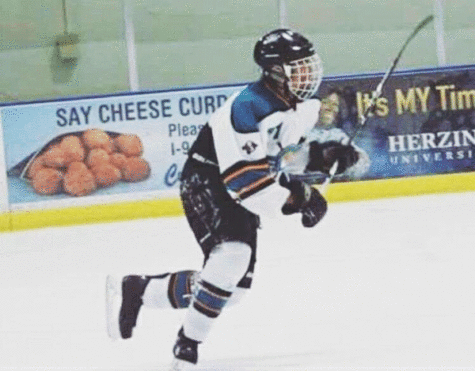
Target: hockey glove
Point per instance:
(305, 200)
(324, 155)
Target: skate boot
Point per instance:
(185, 352)
(133, 288)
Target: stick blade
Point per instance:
(424, 22)
(419, 27)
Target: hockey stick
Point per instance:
(376, 94)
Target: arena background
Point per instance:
(181, 43)
(55, 50)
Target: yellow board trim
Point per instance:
(337, 192)
(21, 220)
(397, 187)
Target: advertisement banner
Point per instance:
(3, 173)
(156, 129)
(424, 122)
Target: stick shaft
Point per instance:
(379, 89)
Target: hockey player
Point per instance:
(238, 169)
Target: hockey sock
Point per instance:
(237, 296)
(171, 290)
(209, 299)
(225, 267)
(208, 303)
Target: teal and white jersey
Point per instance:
(249, 130)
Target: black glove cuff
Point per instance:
(316, 161)
(298, 195)
(314, 210)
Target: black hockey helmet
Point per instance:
(289, 57)
(281, 46)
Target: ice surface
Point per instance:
(381, 284)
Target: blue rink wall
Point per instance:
(420, 139)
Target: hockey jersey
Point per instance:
(249, 131)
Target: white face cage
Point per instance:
(305, 76)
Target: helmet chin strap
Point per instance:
(278, 84)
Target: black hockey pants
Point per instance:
(214, 217)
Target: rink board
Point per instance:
(338, 192)
(421, 139)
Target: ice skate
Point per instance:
(123, 303)
(113, 296)
(185, 352)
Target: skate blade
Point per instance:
(179, 365)
(113, 299)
